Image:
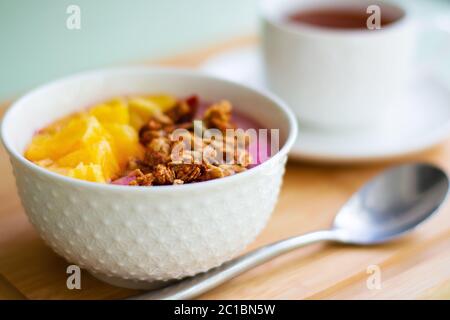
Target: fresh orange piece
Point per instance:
(114, 111)
(126, 142)
(77, 134)
(164, 101)
(141, 110)
(50, 165)
(89, 172)
(56, 126)
(100, 153)
(39, 148)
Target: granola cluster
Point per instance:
(175, 156)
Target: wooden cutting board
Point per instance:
(415, 267)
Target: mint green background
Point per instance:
(36, 46)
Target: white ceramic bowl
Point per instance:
(136, 236)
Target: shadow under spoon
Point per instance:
(387, 207)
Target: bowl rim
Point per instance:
(280, 104)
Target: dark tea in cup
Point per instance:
(339, 17)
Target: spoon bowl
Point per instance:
(391, 204)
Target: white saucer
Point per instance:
(420, 121)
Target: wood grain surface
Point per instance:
(415, 267)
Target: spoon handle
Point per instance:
(201, 283)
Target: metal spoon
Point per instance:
(390, 205)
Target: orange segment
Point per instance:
(56, 126)
(39, 149)
(141, 110)
(100, 153)
(164, 101)
(78, 133)
(114, 111)
(90, 172)
(126, 142)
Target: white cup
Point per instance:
(336, 78)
